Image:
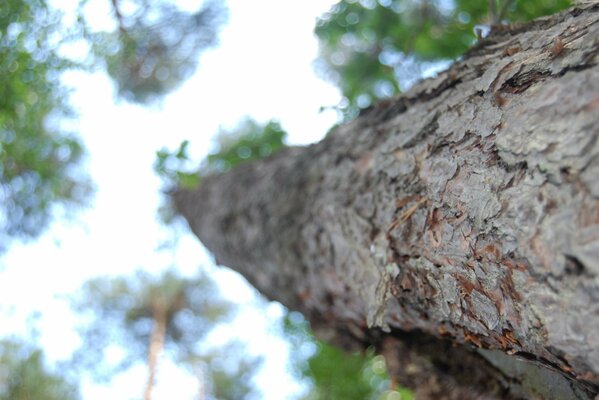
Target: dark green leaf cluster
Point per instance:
(23, 375)
(38, 160)
(157, 46)
(369, 46)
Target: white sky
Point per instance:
(262, 69)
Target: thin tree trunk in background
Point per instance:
(455, 228)
(201, 381)
(156, 346)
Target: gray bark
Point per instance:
(455, 228)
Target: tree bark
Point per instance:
(155, 348)
(455, 228)
(201, 375)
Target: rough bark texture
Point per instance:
(456, 227)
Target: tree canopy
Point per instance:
(24, 375)
(38, 158)
(156, 46)
(153, 48)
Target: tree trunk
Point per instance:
(155, 349)
(201, 374)
(455, 228)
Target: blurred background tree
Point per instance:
(371, 49)
(227, 372)
(156, 45)
(24, 375)
(140, 317)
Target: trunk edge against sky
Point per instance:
(455, 228)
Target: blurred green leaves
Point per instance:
(335, 374)
(38, 159)
(370, 48)
(156, 46)
(338, 375)
(153, 49)
(24, 376)
(249, 141)
(174, 167)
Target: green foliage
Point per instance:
(23, 375)
(156, 46)
(249, 141)
(174, 168)
(369, 46)
(121, 311)
(335, 374)
(37, 158)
